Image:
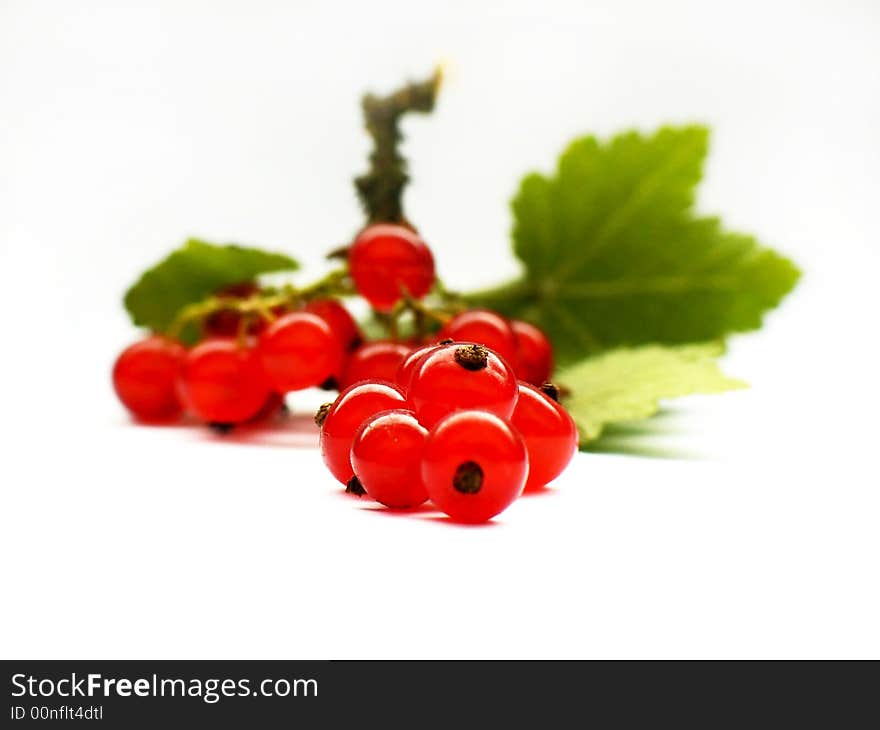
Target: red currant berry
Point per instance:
(474, 465)
(387, 455)
(485, 328)
(226, 322)
(344, 327)
(459, 377)
(339, 319)
(385, 260)
(221, 382)
(549, 432)
(340, 421)
(299, 350)
(145, 376)
(534, 353)
(374, 361)
(272, 406)
(403, 377)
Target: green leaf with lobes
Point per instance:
(194, 271)
(628, 384)
(613, 253)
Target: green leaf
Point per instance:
(628, 384)
(614, 255)
(192, 272)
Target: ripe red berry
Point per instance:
(461, 376)
(485, 328)
(339, 319)
(403, 377)
(340, 421)
(474, 465)
(385, 260)
(221, 382)
(386, 456)
(273, 404)
(226, 322)
(374, 361)
(145, 375)
(299, 350)
(344, 327)
(534, 353)
(549, 433)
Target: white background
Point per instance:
(124, 128)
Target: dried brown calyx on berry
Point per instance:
(472, 357)
(321, 414)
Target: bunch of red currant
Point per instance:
(454, 426)
(459, 421)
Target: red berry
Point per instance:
(344, 327)
(299, 350)
(458, 377)
(340, 421)
(485, 328)
(534, 353)
(221, 382)
(374, 361)
(385, 260)
(403, 377)
(226, 322)
(339, 319)
(474, 465)
(549, 432)
(273, 404)
(145, 376)
(387, 454)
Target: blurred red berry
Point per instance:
(299, 350)
(485, 328)
(385, 260)
(374, 361)
(534, 353)
(145, 377)
(340, 320)
(226, 322)
(222, 382)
